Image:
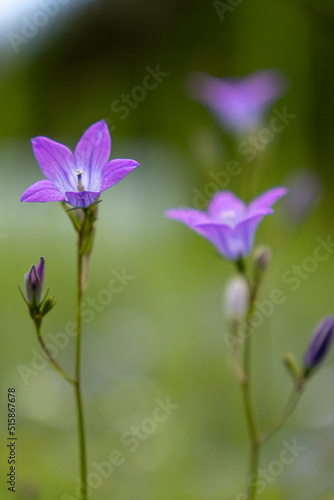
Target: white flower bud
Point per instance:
(236, 299)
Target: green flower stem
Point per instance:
(245, 382)
(257, 440)
(250, 418)
(81, 429)
(53, 362)
(288, 410)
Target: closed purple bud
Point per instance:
(319, 345)
(33, 283)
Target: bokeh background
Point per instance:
(162, 336)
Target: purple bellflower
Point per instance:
(33, 283)
(229, 224)
(319, 345)
(77, 178)
(238, 104)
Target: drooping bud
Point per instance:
(319, 345)
(33, 283)
(262, 258)
(291, 366)
(236, 299)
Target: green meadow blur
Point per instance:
(157, 337)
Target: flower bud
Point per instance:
(33, 283)
(319, 345)
(291, 366)
(236, 298)
(47, 305)
(262, 258)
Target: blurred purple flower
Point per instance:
(78, 179)
(319, 345)
(239, 104)
(229, 224)
(305, 192)
(33, 283)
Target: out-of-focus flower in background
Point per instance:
(305, 192)
(240, 105)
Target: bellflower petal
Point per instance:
(225, 205)
(92, 153)
(80, 179)
(56, 162)
(246, 230)
(267, 199)
(40, 270)
(115, 170)
(82, 199)
(42, 191)
(223, 237)
(190, 217)
(229, 224)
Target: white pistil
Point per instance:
(228, 215)
(80, 185)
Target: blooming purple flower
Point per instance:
(78, 179)
(238, 104)
(319, 345)
(33, 283)
(229, 224)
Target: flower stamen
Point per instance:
(80, 185)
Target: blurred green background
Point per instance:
(162, 336)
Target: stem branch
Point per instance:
(288, 410)
(53, 362)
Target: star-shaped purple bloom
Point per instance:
(78, 179)
(229, 224)
(238, 104)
